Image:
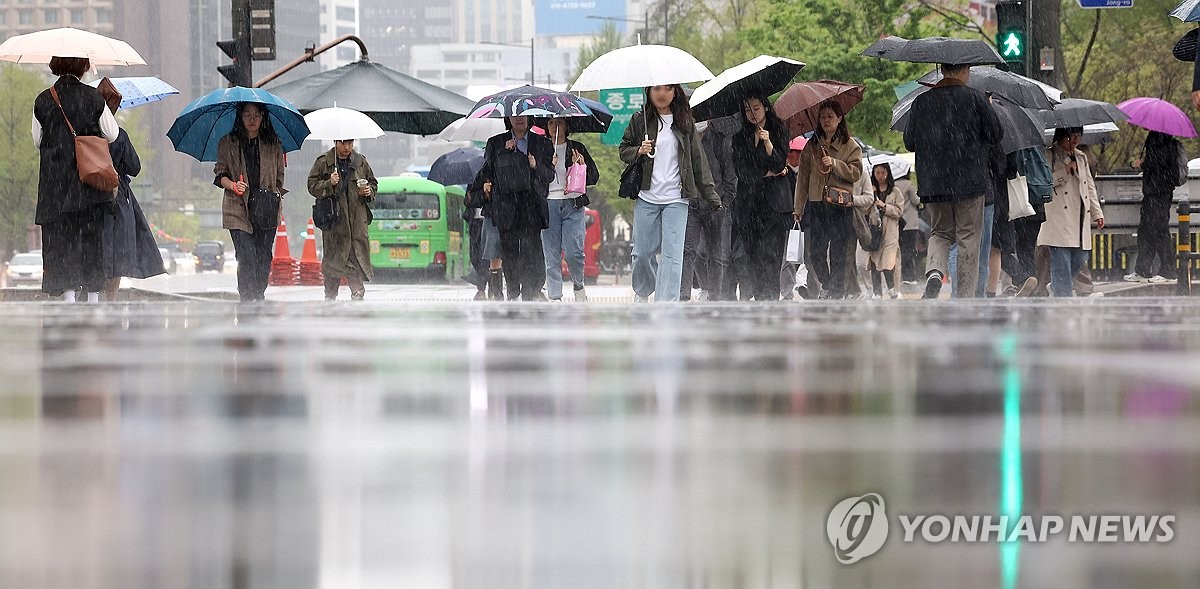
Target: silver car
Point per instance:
(24, 270)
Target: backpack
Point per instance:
(1036, 170)
(1181, 166)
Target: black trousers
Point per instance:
(1154, 239)
(477, 262)
(1026, 234)
(524, 263)
(833, 241)
(908, 255)
(706, 252)
(254, 254)
(74, 248)
(765, 251)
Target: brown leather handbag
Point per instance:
(91, 156)
(835, 196)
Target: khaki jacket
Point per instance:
(346, 247)
(230, 162)
(698, 185)
(1075, 207)
(846, 173)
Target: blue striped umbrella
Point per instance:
(1187, 11)
(139, 91)
(203, 123)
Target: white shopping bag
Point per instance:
(795, 245)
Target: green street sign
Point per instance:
(622, 103)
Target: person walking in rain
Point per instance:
(517, 171)
(664, 139)
(1067, 231)
(568, 221)
(765, 193)
(249, 159)
(134, 253)
(830, 166)
(344, 174)
(910, 229)
(951, 128)
(1158, 165)
(72, 214)
(708, 242)
(890, 202)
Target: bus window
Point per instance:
(454, 206)
(419, 206)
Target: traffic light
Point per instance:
(1011, 34)
(239, 72)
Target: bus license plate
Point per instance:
(400, 253)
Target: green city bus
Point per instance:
(418, 230)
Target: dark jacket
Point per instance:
(59, 188)
(1159, 164)
(135, 252)
(698, 186)
(527, 210)
(754, 189)
(717, 141)
(348, 238)
(950, 128)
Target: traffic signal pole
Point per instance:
(241, 71)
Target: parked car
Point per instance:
(209, 255)
(168, 260)
(24, 270)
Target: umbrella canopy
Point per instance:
(798, 143)
(397, 102)
(935, 50)
(1015, 88)
(598, 122)
(799, 106)
(139, 91)
(203, 123)
(1097, 134)
(457, 167)
(336, 123)
(898, 165)
(1077, 112)
(1187, 11)
(641, 66)
(1158, 115)
(722, 96)
(1022, 126)
(472, 130)
(42, 46)
(529, 101)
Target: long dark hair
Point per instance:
(842, 134)
(266, 132)
(891, 181)
(681, 110)
(773, 124)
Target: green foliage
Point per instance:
(19, 159)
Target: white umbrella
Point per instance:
(900, 166)
(640, 66)
(472, 130)
(41, 46)
(1097, 134)
(333, 124)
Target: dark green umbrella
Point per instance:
(397, 102)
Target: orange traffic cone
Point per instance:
(310, 266)
(283, 267)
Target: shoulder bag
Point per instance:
(837, 197)
(92, 157)
(263, 207)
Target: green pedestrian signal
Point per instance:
(1011, 45)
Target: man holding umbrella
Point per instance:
(344, 174)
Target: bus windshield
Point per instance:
(407, 205)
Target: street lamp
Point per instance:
(531, 54)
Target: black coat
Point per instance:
(134, 251)
(524, 210)
(59, 188)
(717, 142)
(1159, 164)
(950, 128)
(755, 191)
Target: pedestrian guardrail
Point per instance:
(1186, 256)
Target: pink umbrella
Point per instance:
(1158, 115)
(798, 144)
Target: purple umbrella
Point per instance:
(1158, 115)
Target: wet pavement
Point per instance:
(455, 445)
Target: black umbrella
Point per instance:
(1077, 112)
(397, 102)
(457, 167)
(723, 95)
(1017, 89)
(935, 50)
(1022, 126)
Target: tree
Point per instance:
(604, 197)
(19, 159)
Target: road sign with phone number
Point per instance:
(1105, 3)
(622, 103)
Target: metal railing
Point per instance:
(1184, 252)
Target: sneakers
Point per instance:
(1156, 279)
(580, 294)
(703, 296)
(802, 292)
(1027, 287)
(893, 294)
(640, 299)
(933, 285)
(1135, 277)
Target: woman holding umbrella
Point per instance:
(345, 175)
(1069, 217)
(765, 194)
(567, 224)
(665, 143)
(249, 160)
(72, 214)
(830, 166)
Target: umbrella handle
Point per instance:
(651, 154)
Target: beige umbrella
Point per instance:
(41, 46)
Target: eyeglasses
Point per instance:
(252, 116)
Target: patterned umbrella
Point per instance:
(529, 101)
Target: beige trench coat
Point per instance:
(888, 254)
(1075, 207)
(349, 238)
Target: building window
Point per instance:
(25, 17)
(428, 74)
(50, 16)
(103, 16)
(346, 13)
(456, 58)
(77, 16)
(457, 75)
